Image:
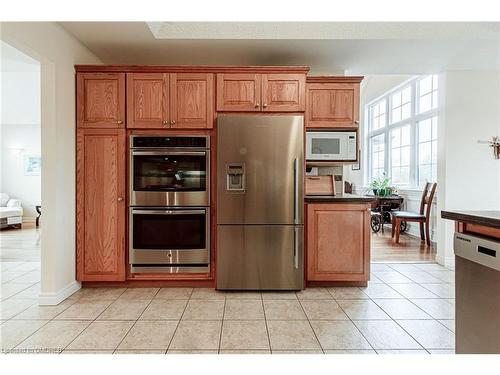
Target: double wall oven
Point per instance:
(169, 204)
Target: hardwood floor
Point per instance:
(409, 249)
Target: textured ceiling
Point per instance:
(329, 48)
(325, 30)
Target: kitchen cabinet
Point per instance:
(169, 100)
(338, 242)
(332, 102)
(273, 92)
(100, 100)
(100, 205)
(147, 100)
(191, 100)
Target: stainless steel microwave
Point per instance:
(331, 146)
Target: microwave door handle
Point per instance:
(182, 153)
(168, 212)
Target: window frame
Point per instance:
(413, 121)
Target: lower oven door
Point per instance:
(173, 237)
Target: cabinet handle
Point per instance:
(172, 122)
(120, 199)
(264, 105)
(119, 122)
(257, 105)
(356, 122)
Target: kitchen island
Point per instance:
(338, 239)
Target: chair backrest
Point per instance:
(347, 187)
(427, 197)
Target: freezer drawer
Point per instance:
(260, 257)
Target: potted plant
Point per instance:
(381, 186)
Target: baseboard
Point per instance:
(50, 299)
(448, 262)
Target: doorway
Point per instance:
(20, 175)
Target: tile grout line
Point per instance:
(133, 325)
(47, 322)
(394, 320)
(354, 324)
(265, 322)
(92, 321)
(179, 321)
(222, 324)
(309, 322)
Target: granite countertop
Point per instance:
(486, 218)
(340, 198)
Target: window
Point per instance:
(401, 105)
(378, 112)
(427, 150)
(427, 94)
(402, 133)
(377, 146)
(400, 155)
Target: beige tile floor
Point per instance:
(406, 308)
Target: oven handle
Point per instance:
(154, 153)
(168, 212)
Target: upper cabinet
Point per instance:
(245, 92)
(191, 100)
(283, 92)
(169, 100)
(100, 100)
(332, 102)
(238, 92)
(147, 100)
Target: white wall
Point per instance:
(57, 51)
(468, 175)
(19, 127)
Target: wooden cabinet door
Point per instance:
(338, 242)
(283, 92)
(147, 100)
(191, 100)
(239, 92)
(332, 105)
(100, 205)
(100, 100)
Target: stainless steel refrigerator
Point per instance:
(260, 210)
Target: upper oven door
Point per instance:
(326, 146)
(169, 178)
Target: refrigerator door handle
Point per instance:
(296, 191)
(296, 241)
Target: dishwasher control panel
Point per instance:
(477, 249)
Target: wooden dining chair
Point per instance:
(422, 218)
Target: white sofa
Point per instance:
(11, 212)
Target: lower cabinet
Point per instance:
(100, 205)
(338, 242)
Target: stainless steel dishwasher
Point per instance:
(477, 286)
